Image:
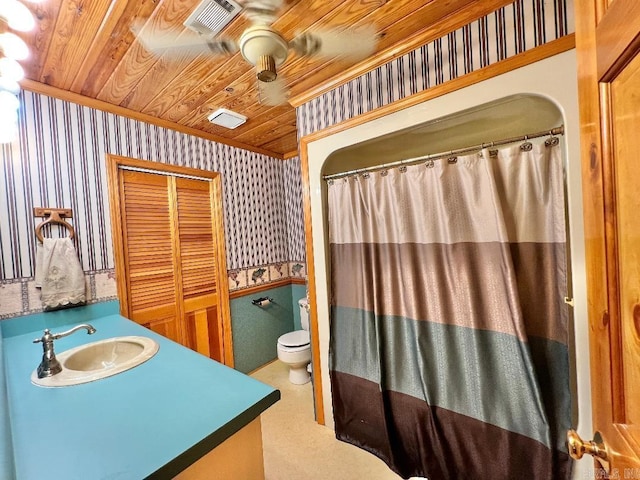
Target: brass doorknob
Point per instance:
(596, 448)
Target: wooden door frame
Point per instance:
(113, 163)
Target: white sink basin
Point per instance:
(97, 360)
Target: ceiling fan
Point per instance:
(263, 46)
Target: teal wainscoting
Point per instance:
(256, 329)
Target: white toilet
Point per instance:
(294, 348)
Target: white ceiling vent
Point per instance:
(227, 118)
(211, 16)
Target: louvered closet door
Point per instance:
(168, 237)
(147, 236)
(196, 243)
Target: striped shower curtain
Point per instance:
(448, 350)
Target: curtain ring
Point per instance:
(330, 181)
(384, 173)
(551, 142)
(366, 175)
(452, 160)
(430, 163)
(526, 147)
(402, 169)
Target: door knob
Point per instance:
(596, 448)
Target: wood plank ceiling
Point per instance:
(86, 47)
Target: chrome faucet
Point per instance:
(50, 364)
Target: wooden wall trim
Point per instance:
(290, 155)
(115, 202)
(547, 50)
(224, 299)
(311, 285)
(48, 90)
(595, 196)
(161, 167)
(432, 32)
(266, 286)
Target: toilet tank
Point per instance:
(304, 313)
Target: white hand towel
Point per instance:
(39, 269)
(59, 273)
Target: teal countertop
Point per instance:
(152, 421)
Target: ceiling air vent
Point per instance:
(227, 118)
(211, 16)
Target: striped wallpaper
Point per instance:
(59, 161)
(513, 29)
(295, 214)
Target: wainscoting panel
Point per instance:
(256, 329)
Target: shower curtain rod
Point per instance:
(554, 131)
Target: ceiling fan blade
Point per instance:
(161, 43)
(351, 45)
(262, 12)
(273, 93)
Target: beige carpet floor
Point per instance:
(297, 448)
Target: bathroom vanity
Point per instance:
(177, 415)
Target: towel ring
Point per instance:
(54, 218)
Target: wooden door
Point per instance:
(608, 47)
(169, 249)
(149, 295)
(197, 266)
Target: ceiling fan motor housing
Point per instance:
(265, 48)
(266, 69)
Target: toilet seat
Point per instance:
(298, 338)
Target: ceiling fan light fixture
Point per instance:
(266, 69)
(17, 15)
(260, 40)
(10, 69)
(227, 118)
(13, 46)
